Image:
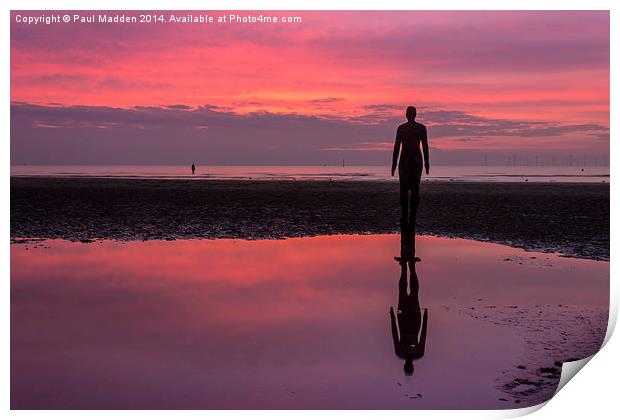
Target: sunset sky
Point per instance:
(332, 87)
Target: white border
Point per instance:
(315, 5)
(592, 394)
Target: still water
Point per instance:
(295, 323)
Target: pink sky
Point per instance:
(482, 81)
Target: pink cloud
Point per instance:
(496, 65)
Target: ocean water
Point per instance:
(593, 174)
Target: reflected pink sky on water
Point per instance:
(296, 323)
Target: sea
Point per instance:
(594, 174)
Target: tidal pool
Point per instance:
(294, 324)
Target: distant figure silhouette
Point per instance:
(409, 136)
(407, 344)
(193, 168)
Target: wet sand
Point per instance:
(296, 323)
(569, 218)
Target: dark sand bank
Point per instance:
(568, 218)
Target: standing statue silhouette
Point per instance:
(408, 138)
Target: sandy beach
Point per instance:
(572, 219)
(232, 317)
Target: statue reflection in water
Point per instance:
(409, 333)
